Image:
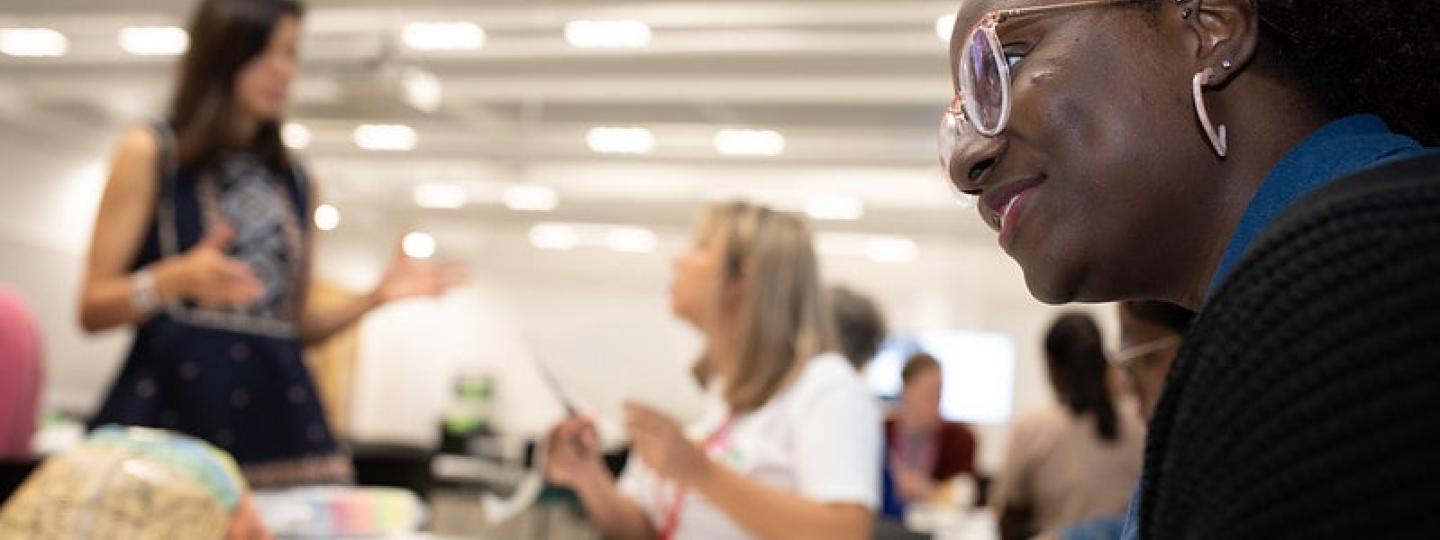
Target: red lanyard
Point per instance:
(672, 511)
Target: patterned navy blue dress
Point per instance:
(234, 376)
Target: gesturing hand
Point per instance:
(211, 278)
(913, 485)
(406, 277)
(663, 447)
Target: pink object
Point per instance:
(20, 375)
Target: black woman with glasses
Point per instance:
(1268, 164)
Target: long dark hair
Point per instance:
(224, 36)
(1076, 361)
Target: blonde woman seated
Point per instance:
(790, 444)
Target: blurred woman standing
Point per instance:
(1077, 460)
(202, 243)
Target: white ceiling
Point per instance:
(855, 86)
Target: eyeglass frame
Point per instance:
(988, 25)
(1127, 358)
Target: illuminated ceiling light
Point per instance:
(154, 40)
(531, 198)
(440, 196)
(835, 208)
(615, 34)
(33, 42)
(327, 217)
(893, 249)
(295, 136)
(877, 248)
(631, 240)
(423, 90)
(418, 245)
(554, 236)
(620, 140)
(945, 26)
(386, 137)
(749, 142)
(443, 36)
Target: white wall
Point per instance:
(49, 189)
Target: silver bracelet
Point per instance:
(143, 297)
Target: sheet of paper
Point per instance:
(498, 510)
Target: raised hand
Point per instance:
(406, 277)
(663, 447)
(211, 278)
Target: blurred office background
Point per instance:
(560, 148)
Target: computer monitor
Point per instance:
(978, 367)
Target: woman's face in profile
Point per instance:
(694, 278)
(1096, 152)
(262, 87)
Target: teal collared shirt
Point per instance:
(1339, 149)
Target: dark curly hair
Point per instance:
(1359, 56)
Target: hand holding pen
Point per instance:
(574, 445)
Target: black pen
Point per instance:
(555, 388)
(570, 410)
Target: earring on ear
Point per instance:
(1187, 10)
(1216, 136)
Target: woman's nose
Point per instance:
(971, 155)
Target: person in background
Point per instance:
(923, 451)
(21, 376)
(1150, 334)
(790, 444)
(203, 244)
(1077, 460)
(859, 324)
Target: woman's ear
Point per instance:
(1226, 35)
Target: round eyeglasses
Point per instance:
(983, 79)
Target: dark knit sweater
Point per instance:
(1305, 402)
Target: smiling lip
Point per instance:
(1003, 205)
(1011, 215)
